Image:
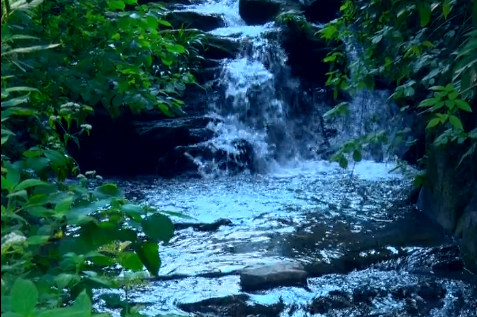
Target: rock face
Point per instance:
(195, 20)
(272, 275)
(305, 53)
(449, 197)
(255, 12)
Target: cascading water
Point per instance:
(253, 110)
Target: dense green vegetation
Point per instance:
(62, 60)
(424, 50)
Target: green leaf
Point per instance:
(82, 305)
(433, 123)
(176, 48)
(29, 49)
(446, 8)
(164, 23)
(463, 105)
(453, 95)
(130, 2)
(450, 104)
(343, 162)
(56, 157)
(130, 260)
(456, 122)
(116, 5)
(158, 227)
(64, 205)
(424, 10)
(149, 255)
(428, 102)
(438, 88)
(27, 183)
(111, 190)
(13, 177)
(63, 280)
(357, 157)
(36, 240)
(24, 297)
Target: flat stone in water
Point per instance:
(266, 276)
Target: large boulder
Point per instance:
(259, 277)
(195, 20)
(321, 11)
(256, 12)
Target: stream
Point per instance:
(366, 249)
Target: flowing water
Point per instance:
(366, 249)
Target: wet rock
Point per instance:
(181, 159)
(204, 226)
(466, 232)
(255, 12)
(272, 275)
(321, 11)
(219, 47)
(195, 20)
(233, 306)
(335, 300)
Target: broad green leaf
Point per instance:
(357, 156)
(463, 105)
(13, 177)
(424, 10)
(116, 5)
(24, 297)
(130, 260)
(15, 101)
(433, 123)
(5, 139)
(343, 162)
(35, 240)
(456, 122)
(453, 95)
(27, 183)
(428, 102)
(149, 255)
(130, 2)
(176, 48)
(450, 104)
(446, 8)
(164, 23)
(56, 157)
(83, 304)
(108, 190)
(63, 280)
(158, 227)
(64, 206)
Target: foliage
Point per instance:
(63, 238)
(425, 49)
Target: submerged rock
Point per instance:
(233, 306)
(272, 275)
(204, 226)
